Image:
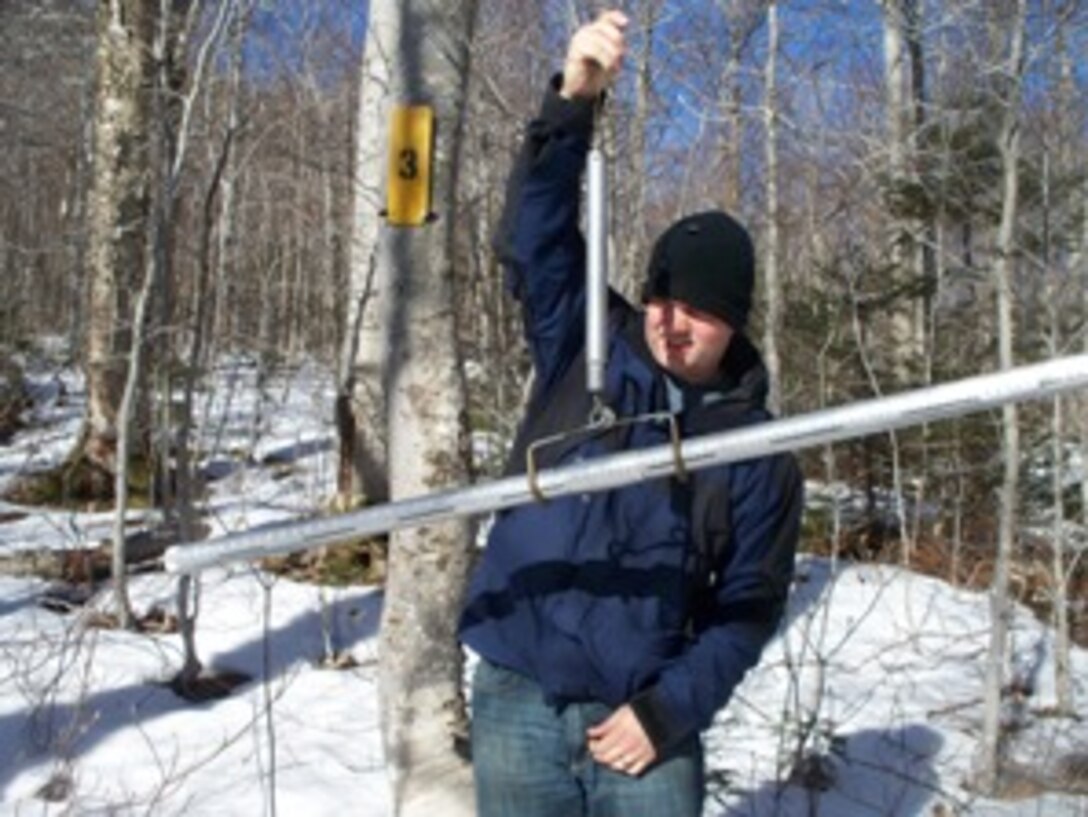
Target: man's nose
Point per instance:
(674, 317)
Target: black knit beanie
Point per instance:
(707, 261)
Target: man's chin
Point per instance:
(679, 365)
(678, 368)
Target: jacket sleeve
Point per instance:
(539, 241)
(749, 597)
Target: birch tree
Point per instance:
(895, 85)
(925, 228)
(420, 677)
(360, 400)
(118, 211)
(772, 286)
(904, 118)
(988, 753)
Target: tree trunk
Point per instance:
(420, 679)
(361, 392)
(630, 196)
(1074, 164)
(772, 284)
(904, 342)
(741, 18)
(77, 283)
(1082, 268)
(118, 212)
(1059, 599)
(1063, 666)
(925, 230)
(221, 330)
(990, 746)
(188, 589)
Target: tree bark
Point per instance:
(925, 229)
(118, 212)
(361, 393)
(420, 678)
(990, 745)
(903, 336)
(772, 284)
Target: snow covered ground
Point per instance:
(877, 676)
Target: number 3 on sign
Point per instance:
(411, 149)
(409, 164)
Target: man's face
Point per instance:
(684, 341)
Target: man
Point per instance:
(611, 628)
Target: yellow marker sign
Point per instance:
(411, 150)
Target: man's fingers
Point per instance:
(595, 56)
(620, 743)
(625, 759)
(602, 46)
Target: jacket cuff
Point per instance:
(659, 727)
(572, 116)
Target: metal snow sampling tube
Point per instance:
(596, 273)
(858, 419)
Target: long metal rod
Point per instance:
(859, 419)
(596, 272)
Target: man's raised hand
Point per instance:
(594, 56)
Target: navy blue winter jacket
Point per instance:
(612, 597)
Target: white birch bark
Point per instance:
(362, 394)
(772, 284)
(896, 74)
(904, 338)
(987, 764)
(420, 676)
(117, 213)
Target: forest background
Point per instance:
(914, 172)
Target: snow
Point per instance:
(876, 675)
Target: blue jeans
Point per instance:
(530, 759)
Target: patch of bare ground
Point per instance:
(1067, 774)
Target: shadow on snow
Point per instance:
(30, 738)
(874, 771)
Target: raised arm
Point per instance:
(539, 241)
